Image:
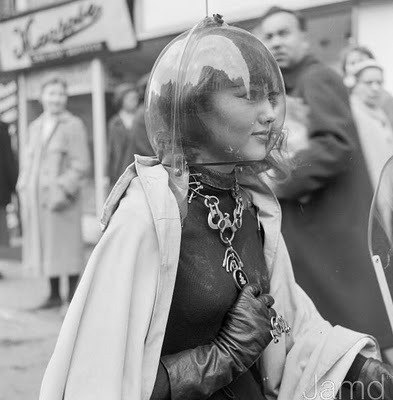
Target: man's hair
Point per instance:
(54, 80)
(302, 23)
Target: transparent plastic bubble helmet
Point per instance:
(208, 97)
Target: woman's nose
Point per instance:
(266, 112)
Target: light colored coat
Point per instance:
(110, 343)
(53, 170)
(375, 135)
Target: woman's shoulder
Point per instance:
(141, 195)
(130, 210)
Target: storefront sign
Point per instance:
(68, 30)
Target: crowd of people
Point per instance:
(234, 263)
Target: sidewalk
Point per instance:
(27, 337)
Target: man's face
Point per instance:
(282, 35)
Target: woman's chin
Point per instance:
(254, 152)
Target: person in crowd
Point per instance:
(54, 166)
(351, 57)
(121, 131)
(190, 292)
(375, 130)
(140, 142)
(8, 178)
(326, 200)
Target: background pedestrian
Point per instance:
(53, 171)
(325, 202)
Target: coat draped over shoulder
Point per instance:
(110, 343)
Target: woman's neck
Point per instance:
(216, 178)
(224, 168)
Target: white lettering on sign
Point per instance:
(65, 29)
(68, 30)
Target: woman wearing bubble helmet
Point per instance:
(177, 299)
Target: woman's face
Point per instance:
(130, 101)
(369, 86)
(240, 126)
(353, 59)
(54, 98)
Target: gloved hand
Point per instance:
(375, 381)
(198, 373)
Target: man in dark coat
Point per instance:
(325, 203)
(8, 177)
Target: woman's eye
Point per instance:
(250, 96)
(242, 93)
(273, 98)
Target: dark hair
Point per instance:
(54, 80)
(302, 23)
(197, 100)
(355, 48)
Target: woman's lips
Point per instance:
(261, 133)
(262, 136)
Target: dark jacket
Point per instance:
(140, 143)
(119, 138)
(123, 143)
(8, 166)
(326, 234)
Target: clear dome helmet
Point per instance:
(208, 95)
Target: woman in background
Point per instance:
(354, 55)
(375, 130)
(53, 168)
(121, 131)
(375, 135)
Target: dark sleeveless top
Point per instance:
(204, 291)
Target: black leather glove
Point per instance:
(375, 381)
(198, 373)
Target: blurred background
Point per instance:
(95, 45)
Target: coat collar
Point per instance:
(61, 118)
(153, 175)
(269, 212)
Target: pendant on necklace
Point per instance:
(233, 263)
(240, 278)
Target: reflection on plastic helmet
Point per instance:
(215, 96)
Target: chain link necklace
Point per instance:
(220, 221)
(232, 263)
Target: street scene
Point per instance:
(196, 199)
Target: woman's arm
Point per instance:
(79, 158)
